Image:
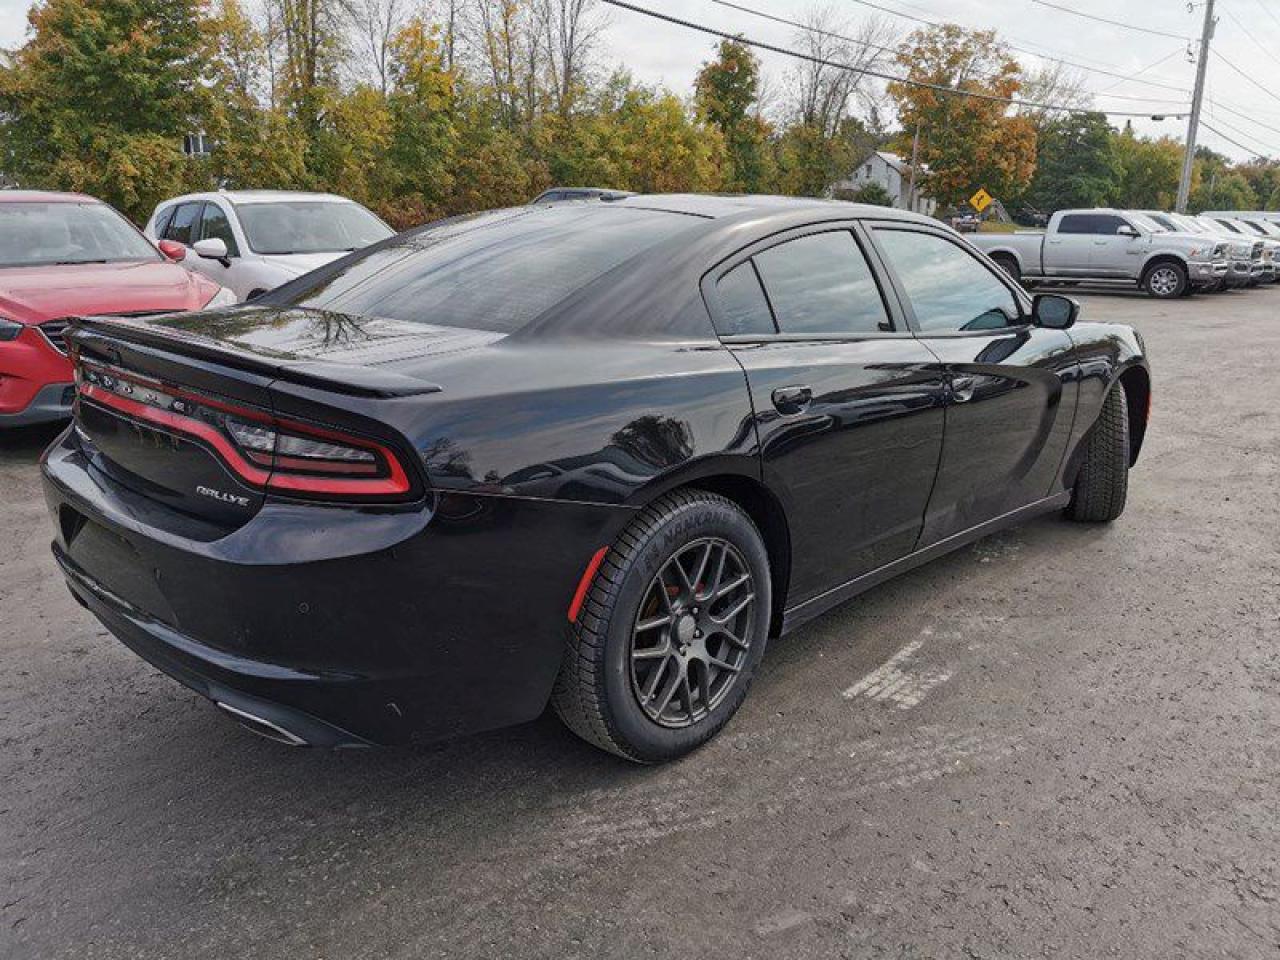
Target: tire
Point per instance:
(1102, 485)
(1009, 266)
(603, 691)
(1165, 280)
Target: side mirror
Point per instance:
(211, 248)
(1127, 231)
(1054, 311)
(172, 249)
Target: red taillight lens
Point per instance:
(264, 451)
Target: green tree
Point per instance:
(1149, 171)
(967, 142)
(101, 94)
(1075, 164)
(725, 91)
(871, 193)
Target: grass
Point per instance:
(997, 226)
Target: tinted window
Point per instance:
(1107, 225)
(493, 271)
(743, 302)
(822, 284)
(162, 221)
(1230, 226)
(1076, 223)
(948, 287)
(1165, 222)
(182, 226)
(309, 226)
(42, 233)
(214, 225)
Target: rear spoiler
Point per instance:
(349, 379)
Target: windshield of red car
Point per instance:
(39, 234)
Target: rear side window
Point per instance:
(743, 303)
(949, 288)
(822, 283)
(1076, 223)
(182, 226)
(493, 272)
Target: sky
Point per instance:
(1247, 37)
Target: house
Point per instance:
(893, 175)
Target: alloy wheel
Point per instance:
(1164, 281)
(691, 635)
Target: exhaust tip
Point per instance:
(261, 726)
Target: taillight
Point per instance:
(265, 451)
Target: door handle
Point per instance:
(962, 388)
(794, 399)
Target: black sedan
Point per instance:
(591, 455)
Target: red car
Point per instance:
(65, 254)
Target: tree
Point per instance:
(100, 95)
(867, 193)
(1075, 164)
(1149, 171)
(967, 142)
(725, 92)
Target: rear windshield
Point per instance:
(495, 271)
(309, 226)
(34, 233)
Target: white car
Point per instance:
(254, 240)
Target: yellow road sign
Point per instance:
(981, 200)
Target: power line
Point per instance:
(1266, 149)
(804, 26)
(1245, 30)
(1033, 53)
(1235, 143)
(1269, 12)
(839, 36)
(1114, 23)
(906, 81)
(1151, 66)
(1264, 89)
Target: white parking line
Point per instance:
(894, 683)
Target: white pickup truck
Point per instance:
(1104, 246)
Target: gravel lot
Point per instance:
(1072, 751)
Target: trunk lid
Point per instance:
(181, 409)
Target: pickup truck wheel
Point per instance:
(1165, 281)
(676, 619)
(1102, 485)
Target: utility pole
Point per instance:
(915, 156)
(1193, 125)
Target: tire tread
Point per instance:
(1102, 486)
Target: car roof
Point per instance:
(259, 196)
(45, 196)
(718, 206)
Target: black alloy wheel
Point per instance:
(671, 631)
(691, 636)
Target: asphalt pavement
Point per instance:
(1062, 741)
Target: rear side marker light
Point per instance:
(589, 574)
(264, 451)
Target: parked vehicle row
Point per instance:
(595, 455)
(66, 254)
(1167, 255)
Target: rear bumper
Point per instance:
(340, 626)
